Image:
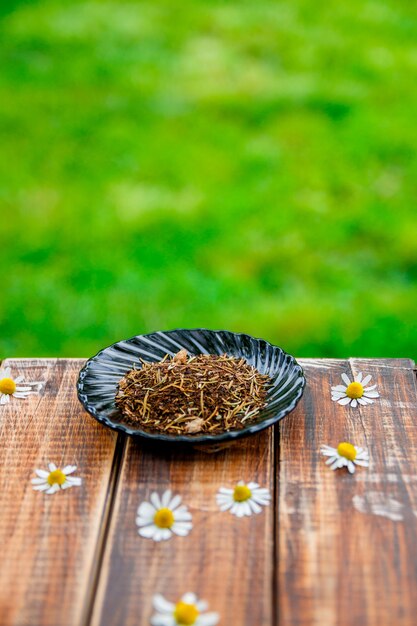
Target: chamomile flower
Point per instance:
(56, 479)
(355, 392)
(162, 517)
(15, 387)
(345, 455)
(243, 499)
(189, 611)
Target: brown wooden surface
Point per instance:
(348, 544)
(334, 550)
(48, 543)
(225, 560)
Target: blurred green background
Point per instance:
(182, 163)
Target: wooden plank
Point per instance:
(225, 560)
(348, 544)
(49, 542)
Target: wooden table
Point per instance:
(332, 549)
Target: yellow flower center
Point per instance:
(185, 614)
(7, 386)
(347, 450)
(163, 518)
(57, 477)
(241, 493)
(354, 390)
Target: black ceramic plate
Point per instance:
(98, 380)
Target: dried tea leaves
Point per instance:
(192, 395)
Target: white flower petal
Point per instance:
(340, 462)
(69, 469)
(201, 605)
(366, 380)
(253, 486)
(344, 401)
(146, 510)
(254, 506)
(240, 510)
(39, 481)
(261, 491)
(144, 521)
(166, 497)
(183, 516)
(226, 491)
(53, 489)
(42, 473)
(182, 529)
(354, 403)
(221, 497)
(162, 605)
(162, 534)
(362, 462)
(52, 467)
(346, 379)
(371, 394)
(246, 508)
(339, 388)
(166, 533)
(332, 459)
(155, 500)
(363, 455)
(189, 598)
(208, 619)
(226, 506)
(147, 531)
(66, 485)
(260, 499)
(74, 480)
(42, 487)
(235, 508)
(358, 377)
(351, 467)
(370, 388)
(175, 502)
(327, 450)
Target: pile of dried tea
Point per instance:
(192, 394)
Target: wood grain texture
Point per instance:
(49, 542)
(347, 551)
(225, 560)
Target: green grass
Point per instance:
(241, 165)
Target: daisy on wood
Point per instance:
(15, 387)
(56, 479)
(162, 517)
(243, 499)
(345, 455)
(189, 611)
(355, 392)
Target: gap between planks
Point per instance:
(104, 529)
